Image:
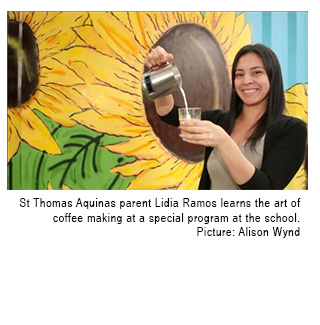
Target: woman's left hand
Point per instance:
(203, 133)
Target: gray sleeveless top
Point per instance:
(219, 174)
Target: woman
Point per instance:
(253, 145)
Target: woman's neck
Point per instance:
(252, 114)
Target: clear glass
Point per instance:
(190, 113)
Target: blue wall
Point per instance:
(287, 34)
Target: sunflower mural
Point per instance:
(297, 105)
(77, 118)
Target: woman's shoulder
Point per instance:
(288, 123)
(289, 129)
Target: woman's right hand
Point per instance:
(157, 58)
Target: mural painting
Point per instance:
(77, 118)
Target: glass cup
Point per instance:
(190, 113)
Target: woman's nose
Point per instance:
(247, 79)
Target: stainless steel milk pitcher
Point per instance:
(161, 82)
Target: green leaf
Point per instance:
(83, 164)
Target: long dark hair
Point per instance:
(276, 100)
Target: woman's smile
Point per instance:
(249, 91)
(251, 80)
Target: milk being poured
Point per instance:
(185, 101)
(184, 97)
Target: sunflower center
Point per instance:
(23, 63)
(205, 80)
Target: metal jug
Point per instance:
(161, 82)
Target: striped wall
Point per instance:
(287, 34)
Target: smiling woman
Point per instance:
(252, 85)
(253, 146)
(77, 118)
(260, 73)
(122, 42)
(251, 81)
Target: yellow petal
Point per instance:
(12, 15)
(224, 30)
(297, 105)
(32, 130)
(216, 18)
(299, 181)
(65, 187)
(210, 20)
(181, 17)
(13, 140)
(160, 23)
(191, 181)
(141, 23)
(243, 39)
(32, 18)
(92, 38)
(238, 27)
(94, 67)
(297, 101)
(76, 96)
(194, 17)
(135, 168)
(54, 103)
(123, 16)
(56, 32)
(112, 101)
(113, 125)
(47, 24)
(117, 36)
(167, 175)
(171, 19)
(20, 15)
(53, 71)
(144, 146)
(35, 19)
